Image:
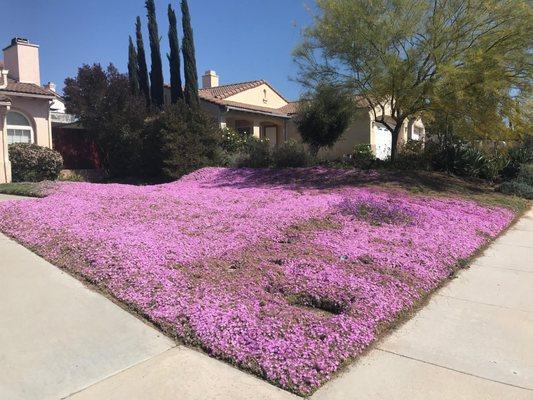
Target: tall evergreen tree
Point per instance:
(189, 58)
(133, 73)
(156, 73)
(176, 91)
(144, 82)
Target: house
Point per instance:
(24, 103)
(31, 113)
(257, 108)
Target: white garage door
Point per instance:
(383, 141)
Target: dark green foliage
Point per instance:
(32, 163)
(189, 58)
(323, 117)
(156, 72)
(179, 140)
(517, 188)
(133, 73)
(233, 141)
(362, 157)
(290, 154)
(176, 90)
(114, 118)
(256, 154)
(144, 82)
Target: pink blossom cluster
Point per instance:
(287, 274)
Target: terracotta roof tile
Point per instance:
(218, 95)
(290, 108)
(224, 91)
(27, 88)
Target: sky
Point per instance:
(240, 39)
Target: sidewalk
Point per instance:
(472, 341)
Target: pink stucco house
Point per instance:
(24, 103)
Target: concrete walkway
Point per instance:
(474, 340)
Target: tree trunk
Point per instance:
(394, 145)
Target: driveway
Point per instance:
(59, 339)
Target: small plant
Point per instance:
(33, 163)
(522, 186)
(233, 141)
(256, 154)
(517, 188)
(362, 157)
(290, 154)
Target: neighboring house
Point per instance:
(29, 113)
(257, 108)
(24, 104)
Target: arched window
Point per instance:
(18, 128)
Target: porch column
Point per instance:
(256, 130)
(5, 164)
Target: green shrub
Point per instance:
(32, 163)
(179, 140)
(290, 154)
(464, 159)
(517, 188)
(233, 141)
(256, 154)
(526, 174)
(362, 157)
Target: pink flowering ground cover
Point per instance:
(286, 274)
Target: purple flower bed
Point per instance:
(285, 274)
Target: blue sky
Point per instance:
(240, 39)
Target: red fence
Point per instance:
(76, 147)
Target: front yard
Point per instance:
(287, 274)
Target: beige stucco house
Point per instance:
(24, 103)
(259, 109)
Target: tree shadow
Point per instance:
(330, 178)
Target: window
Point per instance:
(18, 128)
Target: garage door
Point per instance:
(383, 141)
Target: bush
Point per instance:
(517, 188)
(32, 163)
(113, 116)
(526, 174)
(362, 157)
(256, 154)
(179, 140)
(323, 116)
(233, 141)
(290, 154)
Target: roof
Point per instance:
(26, 88)
(219, 94)
(290, 108)
(225, 91)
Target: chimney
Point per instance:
(209, 79)
(21, 58)
(50, 86)
(3, 76)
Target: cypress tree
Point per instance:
(133, 74)
(189, 58)
(144, 83)
(156, 73)
(176, 91)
